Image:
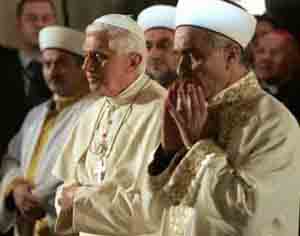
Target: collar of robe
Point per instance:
(130, 93)
(58, 103)
(243, 88)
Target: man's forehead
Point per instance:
(55, 53)
(273, 38)
(188, 36)
(159, 31)
(97, 40)
(37, 7)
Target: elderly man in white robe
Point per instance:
(229, 158)
(233, 167)
(105, 161)
(27, 186)
(158, 23)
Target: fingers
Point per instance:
(202, 102)
(29, 202)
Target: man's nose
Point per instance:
(184, 69)
(87, 64)
(155, 51)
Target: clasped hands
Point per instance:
(184, 116)
(67, 197)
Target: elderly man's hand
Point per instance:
(67, 197)
(188, 108)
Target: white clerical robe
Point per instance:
(22, 148)
(107, 155)
(240, 181)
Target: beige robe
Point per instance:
(243, 180)
(240, 181)
(22, 148)
(123, 132)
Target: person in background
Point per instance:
(265, 24)
(158, 23)
(27, 186)
(277, 63)
(22, 69)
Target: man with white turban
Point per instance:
(229, 160)
(158, 23)
(105, 161)
(27, 186)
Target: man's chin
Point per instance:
(94, 87)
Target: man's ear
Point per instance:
(135, 60)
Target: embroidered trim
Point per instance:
(180, 182)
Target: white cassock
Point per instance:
(22, 148)
(107, 155)
(243, 180)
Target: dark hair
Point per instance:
(265, 17)
(21, 4)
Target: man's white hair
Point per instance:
(122, 41)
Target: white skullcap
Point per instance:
(218, 16)
(62, 38)
(121, 21)
(157, 16)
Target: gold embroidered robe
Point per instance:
(243, 179)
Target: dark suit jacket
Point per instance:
(14, 103)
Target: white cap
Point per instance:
(157, 16)
(218, 16)
(61, 38)
(118, 20)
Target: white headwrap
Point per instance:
(217, 16)
(121, 21)
(62, 38)
(157, 16)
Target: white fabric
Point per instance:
(157, 16)
(121, 21)
(131, 142)
(22, 147)
(217, 16)
(62, 38)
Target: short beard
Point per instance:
(164, 79)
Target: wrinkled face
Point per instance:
(62, 73)
(271, 57)
(207, 64)
(102, 65)
(162, 58)
(35, 16)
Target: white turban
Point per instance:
(157, 16)
(121, 21)
(218, 16)
(62, 38)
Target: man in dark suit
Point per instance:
(21, 70)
